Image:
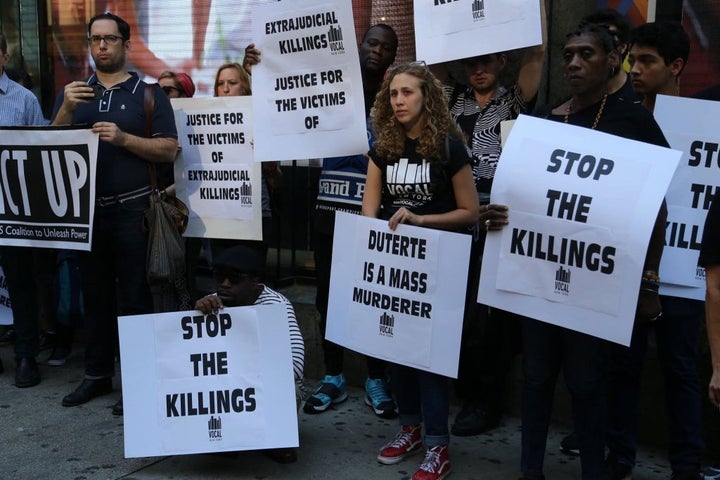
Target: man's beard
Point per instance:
(111, 66)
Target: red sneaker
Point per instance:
(435, 466)
(406, 442)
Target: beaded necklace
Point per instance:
(597, 117)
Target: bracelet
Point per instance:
(650, 278)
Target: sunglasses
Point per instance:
(168, 89)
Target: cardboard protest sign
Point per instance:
(689, 126)
(449, 30)
(195, 383)
(215, 173)
(47, 187)
(398, 295)
(581, 209)
(307, 89)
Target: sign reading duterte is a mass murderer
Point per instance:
(398, 295)
(47, 187)
(196, 383)
(581, 209)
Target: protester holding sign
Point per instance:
(112, 103)
(341, 186)
(231, 80)
(420, 175)
(490, 337)
(710, 259)
(237, 272)
(658, 55)
(20, 108)
(590, 56)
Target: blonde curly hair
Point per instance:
(389, 132)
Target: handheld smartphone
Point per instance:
(98, 90)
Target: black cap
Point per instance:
(239, 258)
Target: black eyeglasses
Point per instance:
(169, 89)
(109, 39)
(233, 276)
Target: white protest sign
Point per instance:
(448, 30)
(690, 126)
(398, 295)
(307, 89)
(6, 317)
(581, 209)
(47, 187)
(215, 174)
(194, 383)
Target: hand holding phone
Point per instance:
(98, 90)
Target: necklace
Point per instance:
(597, 117)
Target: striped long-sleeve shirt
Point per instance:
(297, 344)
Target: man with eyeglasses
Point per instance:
(117, 260)
(237, 273)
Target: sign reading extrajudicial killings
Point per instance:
(307, 89)
(452, 29)
(581, 210)
(215, 173)
(47, 187)
(196, 383)
(398, 295)
(690, 126)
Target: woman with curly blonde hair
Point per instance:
(419, 174)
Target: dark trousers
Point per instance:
(490, 342)
(333, 353)
(546, 349)
(676, 334)
(19, 267)
(113, 275)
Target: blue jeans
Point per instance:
(546, 349)
(113, 280)
(422, 397)
(676, 334)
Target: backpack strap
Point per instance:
(149, 104)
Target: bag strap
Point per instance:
(149, 104)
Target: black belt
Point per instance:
(123, 197)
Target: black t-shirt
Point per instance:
(422, 186)
(710, 249)
(621, 118)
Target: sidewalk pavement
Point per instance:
(40, 439)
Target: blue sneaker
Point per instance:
(331, 392)
(378, 398)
